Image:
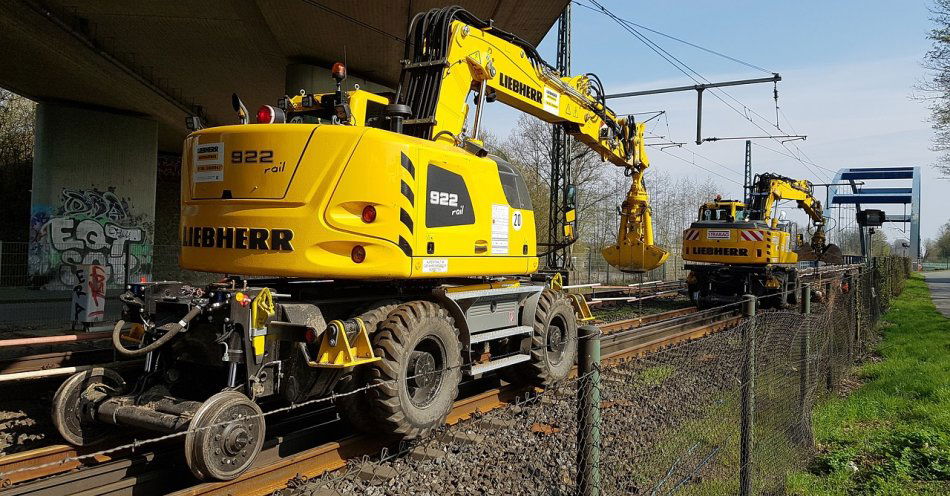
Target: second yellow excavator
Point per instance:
(737, 248)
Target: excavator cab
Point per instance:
(722, 210)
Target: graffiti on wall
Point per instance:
(89, 226)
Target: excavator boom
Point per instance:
(452, 52)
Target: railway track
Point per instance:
(308, 444)
(290, 450)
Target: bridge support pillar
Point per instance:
(93, 195)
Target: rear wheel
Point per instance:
(553, 343)
(413, 386)
(75, 402)
(354, 406)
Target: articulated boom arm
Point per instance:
(770, 188)
(451, 53)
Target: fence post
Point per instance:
(832, 356)
(590, 262)
(588, 412)
(748, 398)
(875, 292)
(128, 264)
(853, 308)
(805, 371)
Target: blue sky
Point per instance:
(848, 68)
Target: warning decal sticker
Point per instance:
(499, 229)
(435, 265)
(208, 161)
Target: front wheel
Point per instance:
(553, 343)
(224, 437)
(413, 386)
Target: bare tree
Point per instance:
(937, 60)
(528, 148)
(17, 118)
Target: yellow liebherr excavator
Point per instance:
(424, 132)
(738, 248)
(394, 245)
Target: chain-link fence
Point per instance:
(591, 268)
(936, 264)
(728, 413)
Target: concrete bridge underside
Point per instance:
(115, 81)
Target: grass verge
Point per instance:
(892, 434)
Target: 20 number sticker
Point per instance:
(516, 220)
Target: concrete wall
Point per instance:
(93, 194)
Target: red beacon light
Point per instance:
(270, 115)
(338, 71)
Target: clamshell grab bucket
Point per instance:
(632, 255)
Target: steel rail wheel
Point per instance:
(224, 437)
(75, 402)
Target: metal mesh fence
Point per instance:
(728, 413)
(591, 268)
(529, 447)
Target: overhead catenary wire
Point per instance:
(694, 45)
(354, 20)
(689, 72)
(694, 164)
(715, 162)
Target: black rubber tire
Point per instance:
(406, 327)
(355, 407)
(200, 445)
(545, 368)
(72, 407)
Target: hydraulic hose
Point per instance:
(171, 331)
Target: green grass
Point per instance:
(891, 435)
(655, 375)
